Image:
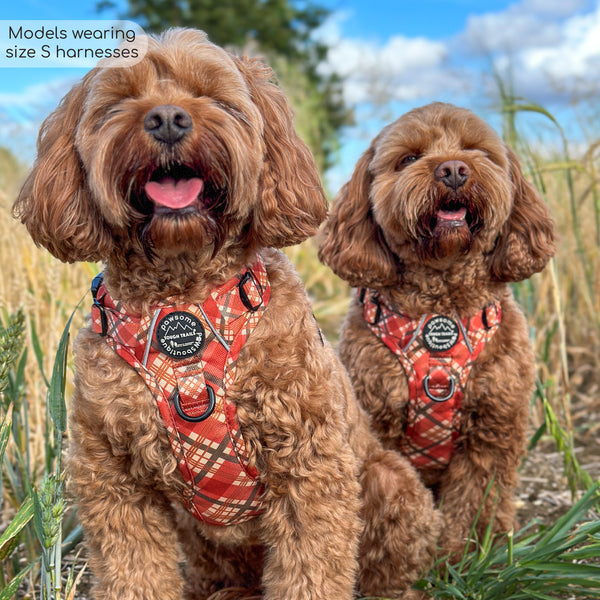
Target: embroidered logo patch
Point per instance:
(180, 334)
(440, 334)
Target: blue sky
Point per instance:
(393, 54)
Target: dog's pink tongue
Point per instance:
(174, 193)
(452, 215)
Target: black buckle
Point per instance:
(96, 283)
(249, 275)
(204, 415)
(378, 313)
(484, 315)
(361, 298)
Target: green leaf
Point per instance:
(56, 393)
(560, 529)
(11, 589)
(23, 516)
(39, 354)
(535, 438)
(566, 570)
(56, 399)
(5, 431)
(38, 516)
(20, 372)
(585, 553)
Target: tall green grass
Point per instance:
(538, 562)
(563, 303)
(31, 545)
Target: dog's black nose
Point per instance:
(168, 123)
(452, 173)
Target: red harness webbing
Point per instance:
(186, 354)
(437, 354)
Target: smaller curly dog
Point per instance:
(202, 381)
(435, 222)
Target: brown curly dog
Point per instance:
(435, 221)
(202, 380)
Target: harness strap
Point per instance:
(437, 354)
(186, 354)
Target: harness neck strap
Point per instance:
(437, 354)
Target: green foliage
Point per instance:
(573, 286)
(11, 345)
(39, 510)
(277, 26)
(551, 562)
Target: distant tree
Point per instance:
(281, 31)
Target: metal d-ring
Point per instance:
(438, 398)
(204, 415)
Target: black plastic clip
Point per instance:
(249, 276)
(362, 292)
(378, 312)
(96, 283)
(485, 318)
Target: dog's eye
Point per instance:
(406, 160)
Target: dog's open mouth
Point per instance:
(178, 188)
(452, 215)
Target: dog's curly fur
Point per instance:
(85, 200)
(385, 232)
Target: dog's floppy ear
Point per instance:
(54, 202)
(292, 203)
(526, 242)
(353, 244)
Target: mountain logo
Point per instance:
(440, 334)
(180, 334)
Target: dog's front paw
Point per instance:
(401, 527)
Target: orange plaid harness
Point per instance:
(187, 354)
(437, 354)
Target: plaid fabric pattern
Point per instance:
(191, 389)
(436, 377)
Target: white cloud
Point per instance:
(576, 55)
(516, 28)
(399, 69)
(392, 71)
(558, 8)
(548, 45)
(40, 95)
(22, 113)
(547, 58)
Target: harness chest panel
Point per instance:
(187, 355)
(437, 353)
